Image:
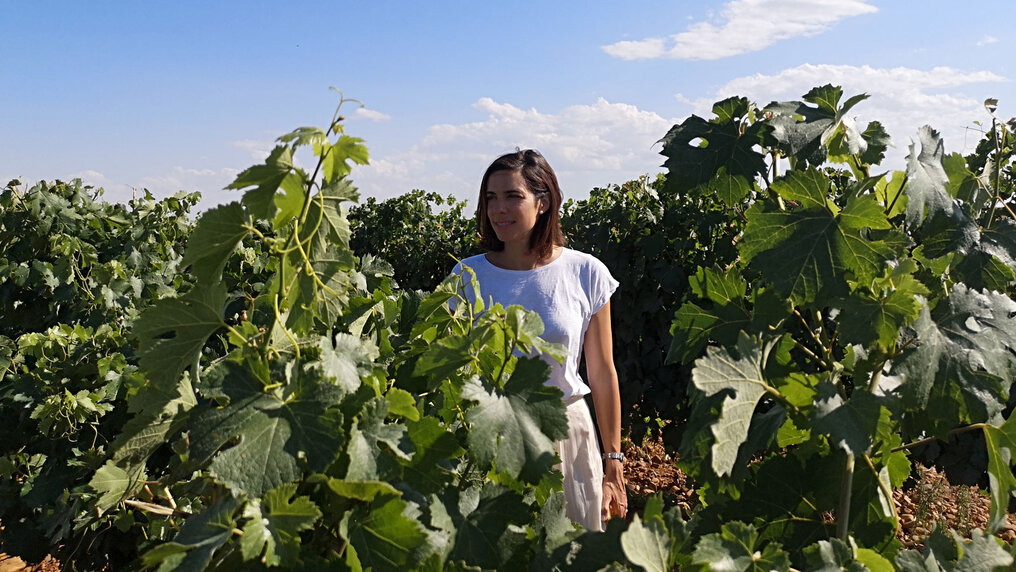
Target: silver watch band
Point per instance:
(615, 456)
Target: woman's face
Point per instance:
(512, 208)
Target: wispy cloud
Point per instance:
(902, 99)
(370, 114)
(987, 40)
(744, 26)
(588, 145)
(258, 149)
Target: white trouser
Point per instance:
(582, 467)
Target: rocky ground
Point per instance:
(649, 470)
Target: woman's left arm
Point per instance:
(599, 354)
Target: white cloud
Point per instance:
(90, 177)
(588, 146)
(370, 114)
(210, 183)
(902, 99)
(258, 149)
(744, 26)
(987, 40)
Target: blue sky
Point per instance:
(182, 95)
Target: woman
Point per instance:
(526, 264)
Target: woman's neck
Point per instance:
(520, 257)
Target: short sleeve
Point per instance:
(601, 285)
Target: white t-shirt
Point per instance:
(565, 293)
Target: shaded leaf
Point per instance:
(172, 332)
(191, 550)
(850, 423)
(114, 484)
(479, 521)
(366, 437)
(215, 237)
(966, 343)
(720, 152)
(736, 547)
(276, 434)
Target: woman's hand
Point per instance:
(615, 494)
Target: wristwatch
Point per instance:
(615, 456)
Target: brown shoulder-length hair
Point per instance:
(542, 182)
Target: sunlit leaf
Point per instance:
(516, 428)
(740, 377)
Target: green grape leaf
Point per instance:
(321, 290)
(215, 237)
(158, 412)
(347, 360)
(850, 423)
(814, 248)
(717, 155)
(647, 545)
(693, 327)
(832, 556)
(479, 521)
(526, 327)
(1001, 444)
(962, 182)
(172, 331)
(277, 434)
(983, 552)
(365, 491)
(326, 218)
(845, 140)
(554, 523)
(114, 484)
(266, 179)
(384, 535)
(991, 262)
(803, 131)
(515, 428)
(736, 547)
(402, 403)
(873, 561)
(289, 203)
(305, 136)
(201, 535)
(890, 195)
(275, 524)
(967, 342)
(867, 319)
(927, 181)
(740, 377)
(368, 433)
(878, 142)
(434, 443)
(336, 161)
